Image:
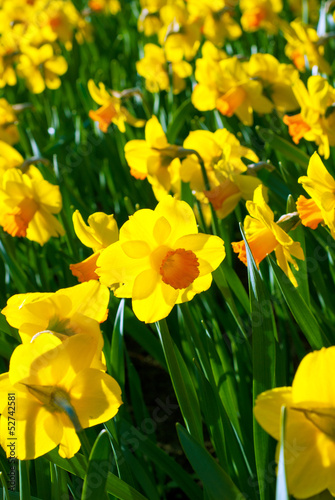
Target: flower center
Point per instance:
(296, 127)
(179, 268)
(298, 59)
(230, 101)
(16, 222)
(254, 17)
(218, 195)
(104, 116)
(55, 399)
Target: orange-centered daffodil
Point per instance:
(160, 259)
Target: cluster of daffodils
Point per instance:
(58, 373)
(32, 34)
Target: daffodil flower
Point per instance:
(310, 423)
(230, 89)
(260, 14)
(265, 236)
(222, 155)
(111, 110)
(63, 313)
(320, 185)
(28, 204)
(160, 259)
(154, 158)
(217, 20)
(302, 41)
(100, 232)
(316, 120)
(33, 59)
(8, 119)
(154, 68)
(57, 393)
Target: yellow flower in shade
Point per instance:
(100, 232)
(111, 110)
(8, 119)
(314, 122)
(218, 23)
(222, 155)
(155, 159)
(265, 236)
(260, 14)
(40, 67)
(7, 71)
(277, 79)
(232, 91)
(27, 205)
(57, 393)
(320, 185)
(301, 42)
(154, 68)
(160, 259)
(309, 429)
(64, 314)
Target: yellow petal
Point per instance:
(157, 305)
(310, 384)
(179, 215)
(95, 396)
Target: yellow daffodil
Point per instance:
(309, 430)
(77, 310)
(277, 80)
(8, 119)
(309, 212)
(106, 6)
(265, 236)
(57, 21)
(314, 122)
(302, 41)
(57, 393)
(111, 110)
(31, 61)
(232, 91)
(257, 14)
(180, 35)
(320, 185)
(154, 158)
(100, 232)
(149, 20)
(218, 23)
(221, 153)
(160, 259)
(27, 206)
(154, 68)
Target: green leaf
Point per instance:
(116, 354)
(182, 382)
(77, 466)
(167, 464)
(289, 151)
(301, 312)
(263, 360)
(24, 483)
(215, 480)
(96, 476)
